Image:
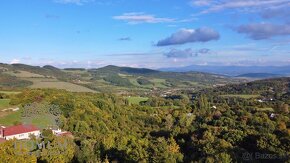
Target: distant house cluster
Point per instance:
(25, 131)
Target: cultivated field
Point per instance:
(53, 83)
(25, 74)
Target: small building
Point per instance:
(272, 115)
(58, 132)
(260, 100)
(19, 132)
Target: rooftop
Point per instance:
(19, 129)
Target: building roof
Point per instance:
(2, 140)
(19, 129)
(66, 133)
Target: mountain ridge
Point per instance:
(232, 70)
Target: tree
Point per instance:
(16, 151)
(163, 150)
(60, 149)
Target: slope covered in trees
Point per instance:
(210, 128)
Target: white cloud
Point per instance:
(77, 2)
(220, 5)
(139, 17)
(201, 2)
(15, 61)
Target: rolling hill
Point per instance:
(19, 76)
(106, 79)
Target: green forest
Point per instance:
(223, 124)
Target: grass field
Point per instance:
(11, 118)
(159, 83)
(4, 103)
(265, 109)
(53, 83)
(245, 96)
(136, 99)
(41, 121)
(25, 74)
(9, 92)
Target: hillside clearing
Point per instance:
(25, 74)
(4, 103)
(9, 92)
(53, 83)
(136, 100)
(10, 118)
(245, 96)
(265, 109)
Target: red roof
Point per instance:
(67, 133)
(2, 140)
(19, 129)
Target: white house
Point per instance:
(19, 132)
(59, 132)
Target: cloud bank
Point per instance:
(186, 53)
(260, 31)
(220, 5)
(184, 36)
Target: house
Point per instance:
(272, 115)
(19, 132)
(260, 100)
(58, 132)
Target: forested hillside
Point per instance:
(223, 124)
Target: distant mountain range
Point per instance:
(259, 75)
(234, 70)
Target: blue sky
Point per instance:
(145, 33)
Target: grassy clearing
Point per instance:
(136, 100)
(11, 118)
(265, 109)
(41, 121)
(159, 83)
(4, 103)
(245, 96)
(25, 74)
(53, 83)
(9, 92)
(124, 75)
(134, 82)
(167, 107)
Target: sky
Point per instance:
(145, 33)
